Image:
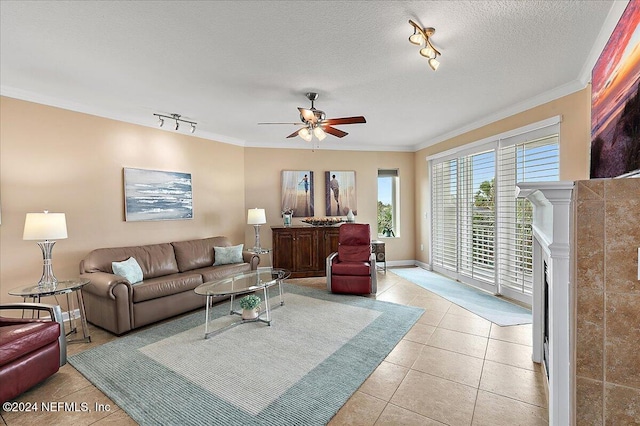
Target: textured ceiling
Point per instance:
(230, 65)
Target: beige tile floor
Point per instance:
(453, 367)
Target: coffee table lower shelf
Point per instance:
(240, 284)
(266, 311)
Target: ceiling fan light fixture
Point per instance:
(434, 64)
(305, 134)
(319, 133)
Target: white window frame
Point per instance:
(395, 199)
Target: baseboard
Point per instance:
(76, 315)
(424, 265)
(417, 263)
(401, 263)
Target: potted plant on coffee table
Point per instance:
(250, 306)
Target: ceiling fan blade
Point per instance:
(345, 120)
(293, 135)
(295, 124)
(308, 115)
(333, 131)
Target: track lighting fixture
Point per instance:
(177, 119)
(422, 37)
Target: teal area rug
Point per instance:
(487, 306)
(319, 349)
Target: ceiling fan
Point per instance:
(315, 123)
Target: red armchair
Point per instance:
(30, 349)
(352, 269)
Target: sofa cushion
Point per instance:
(129, 269)
(155, 260)
(228, 255)
(165, 286)
(194, 254)
(20, 337)
(217, 272)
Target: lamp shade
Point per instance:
(45, 226)
(256, 217)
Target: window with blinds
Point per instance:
(480, 233)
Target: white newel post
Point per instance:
(552, 231)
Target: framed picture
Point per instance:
(615, 100)
(297, 192)
(157, 195)
(341, 193)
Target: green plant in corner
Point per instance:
(250, 302)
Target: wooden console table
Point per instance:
(303, 249)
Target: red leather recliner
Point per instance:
(352, 269)
(30, 349)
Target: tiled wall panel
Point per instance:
(607, 295)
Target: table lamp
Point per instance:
(45, 227)
(256, 217)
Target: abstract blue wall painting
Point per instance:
(157, 195)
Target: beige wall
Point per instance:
(263, 169)
(69, 162)
(575, 141)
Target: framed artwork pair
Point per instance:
(298, 193)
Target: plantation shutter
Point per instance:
(444, 218)
(480, 233)
(526, 158)
(476, 217)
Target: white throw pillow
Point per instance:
(228, 255)
(129, 269)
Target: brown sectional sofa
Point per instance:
(171, 271)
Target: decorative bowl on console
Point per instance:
(323, 221)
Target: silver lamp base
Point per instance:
(48, 281)
(257, 247)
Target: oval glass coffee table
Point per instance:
(243, 283)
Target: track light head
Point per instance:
(177, 125)
(160, 121)
(193, 128)
(416, 38)
(428, 52)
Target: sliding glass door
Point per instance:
(480, 233)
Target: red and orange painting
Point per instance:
(615, 100)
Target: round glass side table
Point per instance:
(66, 287)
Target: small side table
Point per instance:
(65, 287)
(377, 248)
(262, 250)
